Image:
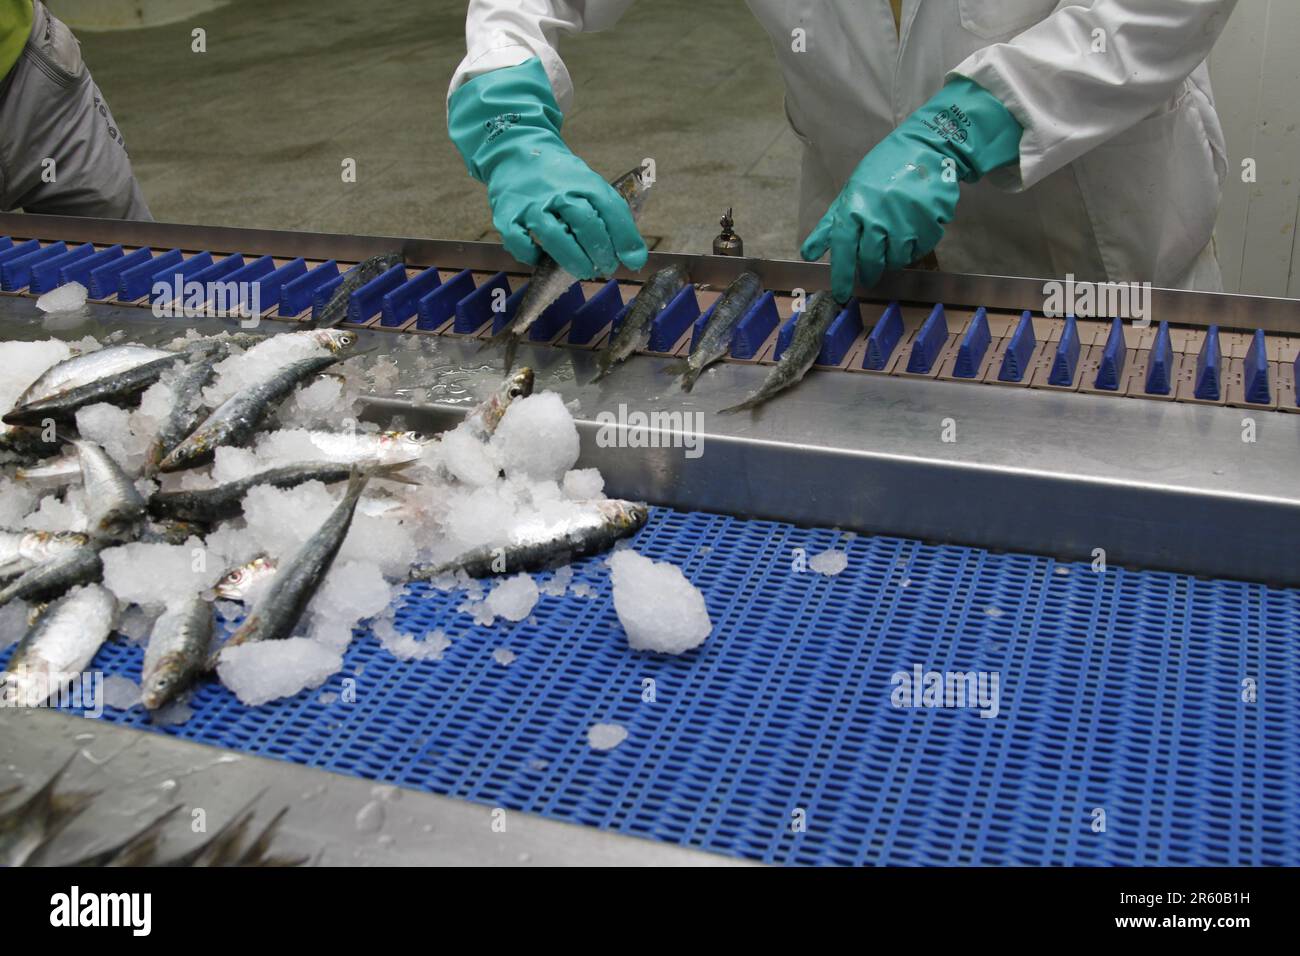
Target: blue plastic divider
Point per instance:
(475, 310)
(1255, 370)
(399, 304)
(177, 274)
(13, 252)
(440, 305)
(841, 335)
(1110, 371)
(323, 293)
(1066, 361)
(1297, 381)
(218, 271)
(1015, 361)
(366, 302)
(135, 282)
(251, 272)
(271, 285)
(784, 337)
(598, 312)
(974, 344)
(929, 342)
(16, 273)
(674, 319)
(1160, 364)
(79, 271)
(884, 338)
(5, 243)
(557, 313)
(105, 280)
(699, 325)
(296, 294)
(753, 329)
(1207, 367)
(45, 275)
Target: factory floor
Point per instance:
(255, 131)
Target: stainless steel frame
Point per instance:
(1012, 293)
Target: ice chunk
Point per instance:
(659, 609)
(467, 458)
(504, 656)
(66, 298)
(583, 590)
(21, 363)
(584, 484)
(177, 712)
(265, 670)
(350, 592)
(120, 693)
(16, 501)
(606, 736)
(513, 598)
(537, 438)
(559, 582)
(407, 647)
(830, 562)
(159, 574)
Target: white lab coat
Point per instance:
(1122, 161)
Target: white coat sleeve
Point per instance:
(501, 33)
(1071, 99)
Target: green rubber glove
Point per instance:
(893, 209)
(506, 125)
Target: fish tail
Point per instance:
(357, 482)
(689, 377)
(605, 365)
(391, 472)
(752, 402)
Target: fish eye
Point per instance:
(415, 436)
(516, 391)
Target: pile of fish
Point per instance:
(214, 410)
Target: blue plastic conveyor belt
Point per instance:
(1122, 692)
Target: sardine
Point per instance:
(185, 398)
(22, 550)
(59, 646)
(237, 583)
(210, 505)
(177, 652)
(389, 447)
(276, 615)
(87, 367)
(715, 342)
(172, 531)
(235, 421)
(536, 547)
(336, 310)
(549, 281)
(117, 389)
(53, 472)
(112, 501)
(800, 355)
(634, 333)
(485, 416)
(55, 575)
(26, 445)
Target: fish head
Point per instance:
(162, 682)
(336, 340)
(236, 583)
(519, 384)
(629, 515)
(397, 446)
(635, 185)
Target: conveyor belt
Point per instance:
(1161, 361)
(1120, 691)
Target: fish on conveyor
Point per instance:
(549, 281)
(237, 583)
(87, 367)
(336, 309)
(113, 504)
(55, 575)
(23, 550)
(177, 652)
(486, 416)
(634, 333)
(715, 342)
(236, 419)
(387, 447)
(277, 613)
(116, 389)
(537, 547)
(185, 403)
(800, 355)
(208, 505)
(59, 646)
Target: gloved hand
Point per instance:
(893, 209)
(506, 125)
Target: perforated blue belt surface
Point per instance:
(1126, 731)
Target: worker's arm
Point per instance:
(1085, 74)
(504, 112)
